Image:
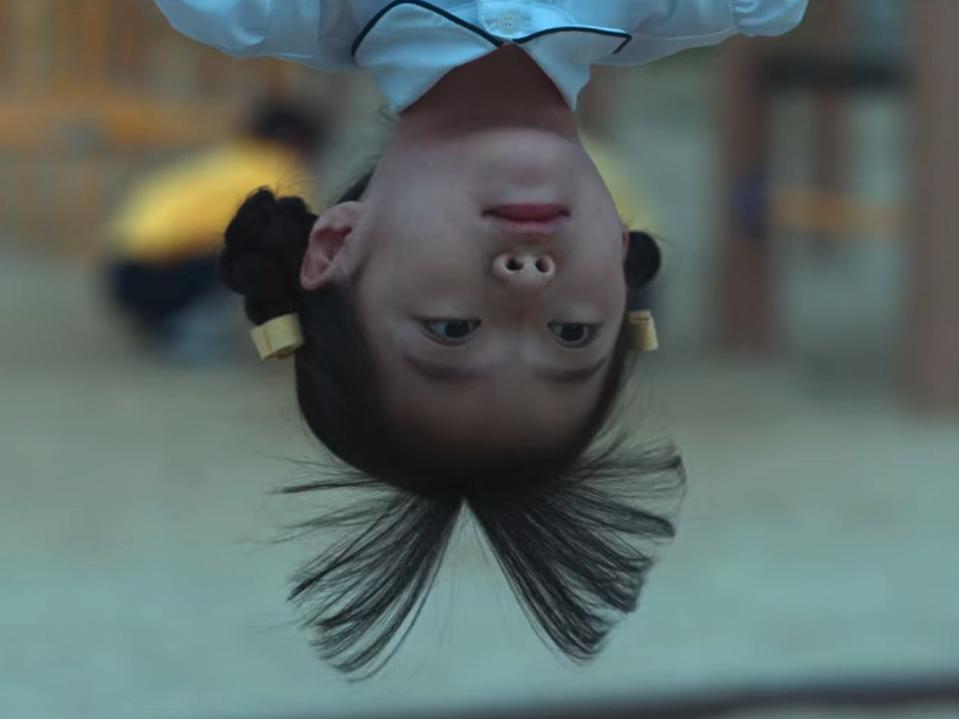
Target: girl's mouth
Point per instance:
(529, 212)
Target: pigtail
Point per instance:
(367, 590)
(264, 247)
(643, 260)
(576, 550)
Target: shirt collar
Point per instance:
(410, 44)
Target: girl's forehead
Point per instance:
(501, 415)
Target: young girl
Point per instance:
(463, 305)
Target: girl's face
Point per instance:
(486, 335)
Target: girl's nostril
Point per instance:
(542, 265)
(513, 265)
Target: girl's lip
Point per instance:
(529, 218)
(543, 229)
(528, 212)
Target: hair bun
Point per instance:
(264, 247)
(643, 260)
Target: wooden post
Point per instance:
(745, 314)
(26, 43)
(828, 26)
(932, 344)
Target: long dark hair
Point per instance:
(564, 525)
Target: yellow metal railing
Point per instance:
(90, 91)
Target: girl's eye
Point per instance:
(573, 334)
(450, 331)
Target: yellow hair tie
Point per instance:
(279, 337)
(643, 330)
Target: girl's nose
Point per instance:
(524, 271)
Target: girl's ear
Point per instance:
(643, 260)
(330, 233)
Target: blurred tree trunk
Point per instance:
(830, 28)
(745, 314)
(932, 344)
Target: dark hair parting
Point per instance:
(575, 548)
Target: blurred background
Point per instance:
(809, 369)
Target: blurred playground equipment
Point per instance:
(828, 60)
(95, 92)
(814, 573)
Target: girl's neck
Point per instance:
(503, 88)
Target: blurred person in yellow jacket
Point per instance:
(631, 200)
(629, 194)
(166, 233)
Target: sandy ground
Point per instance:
(817, 541)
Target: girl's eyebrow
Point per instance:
(443, 372)
(571, 376)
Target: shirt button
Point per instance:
(512, 23)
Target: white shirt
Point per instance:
(410, 44)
